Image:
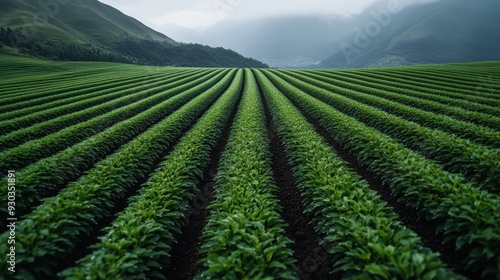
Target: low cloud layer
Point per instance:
(195, 14)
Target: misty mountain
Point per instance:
(91, 30)
(278, 38)
(280, 41)
(286, 41)
(440, 32)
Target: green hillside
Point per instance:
(79, 21)
(90, 30)
(441, 32)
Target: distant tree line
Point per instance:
(58, 49)
(128, 49)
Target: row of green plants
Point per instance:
(22, 86)
(478, 134)
(397, 83)
(36, 94)
(477, 163)
(34, 150)
(456, 90)
(88, 91)
(366, 239)
(467, 78)
(87, 104)
(12, 78)
(26, 74)
(381, 82)
(50, 174)
(244, 236)
(16, 67)
(428, 105)
(470, 73)
(465, 81)
(464, 78)
(467, 217)
(52, 231)
(69, 115)
(144, 232)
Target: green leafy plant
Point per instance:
(366, 239)
(477, 163)
(367, 92)
(31, 151)
(244, 235)
(50, 232)
(46, 121)
(422, 184)
(145, 230)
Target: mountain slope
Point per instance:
(288, 41)
(91, 30)
(307, 37)
(441, 32)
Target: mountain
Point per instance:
(91, 30)
(440, 32)
(288, 41)
(421, 31)
(280, 41)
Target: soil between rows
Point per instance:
(313, 260)
(408, 216)
(82, 248)
(185, 253)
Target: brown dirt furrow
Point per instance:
(184, 255)
(408, 216)
(313, 260)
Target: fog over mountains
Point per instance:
(390, 32)
(440, 32)
(92, 31)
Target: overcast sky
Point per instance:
(200, 14)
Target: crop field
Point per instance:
(112, 171)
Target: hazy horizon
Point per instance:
(302, 34)
(234, 24)
(198, 14)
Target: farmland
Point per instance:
(118, 171)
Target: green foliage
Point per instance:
(124, 96)
(50, 120)
(85, 135)
(125, 49)
(33, 150)
(463, 211)
(366, 239)
(410, 82)
(144, 231)
(49, 174)
(367, 93)
(49, 233)
(477, 163)
(477, 118)
(244, 235)
(74, 91)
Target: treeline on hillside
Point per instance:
(177, 54)
(127, 49)
(58, 49)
